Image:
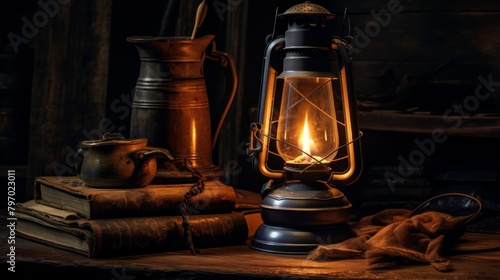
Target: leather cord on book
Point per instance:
(195, 189)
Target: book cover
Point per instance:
(70, 193)
(131, 235)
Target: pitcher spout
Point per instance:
(170, 47)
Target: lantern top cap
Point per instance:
(307, 8)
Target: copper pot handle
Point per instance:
(150, 153)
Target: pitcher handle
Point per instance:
(227, 64)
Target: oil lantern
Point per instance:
(306, 140)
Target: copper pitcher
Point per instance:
(171, 106)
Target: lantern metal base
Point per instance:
(298, 216)
(273, 239)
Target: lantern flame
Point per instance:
(306, 140)
(307, 144)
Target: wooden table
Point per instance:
(476, 257)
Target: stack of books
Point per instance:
(97, 222)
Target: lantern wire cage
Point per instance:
(275, 160)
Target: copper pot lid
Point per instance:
(114, 139)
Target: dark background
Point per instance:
(74, 77)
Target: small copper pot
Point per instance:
(116, 162)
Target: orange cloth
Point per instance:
(392, 236)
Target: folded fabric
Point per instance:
(393, 236)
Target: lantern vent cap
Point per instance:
(307, 9)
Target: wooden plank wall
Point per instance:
(408, 46)
(69, 85)
(418, 36)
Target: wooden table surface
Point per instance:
(476, 257)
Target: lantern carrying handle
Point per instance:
(355, 163)
(270, 73)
